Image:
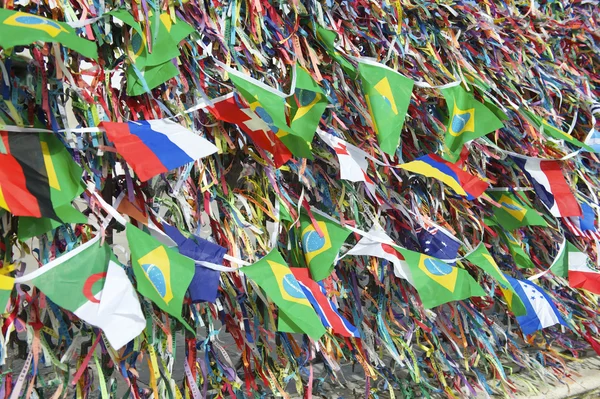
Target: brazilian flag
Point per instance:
(388, 95)
(307, 105)
(469, 119)
(546, 128)
(514, 212)
(296, 314)
(438, 282)
(21, 29)
(519, 255)
(484, 260)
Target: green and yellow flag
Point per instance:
(519, 255)
(468, 120)
(327, 39)
(6, 286)
(320, 251)
(544, 127)
(21, 29)
(484, 260)
(307, 105)
(514, 212)
(388, 95)
(162, 274)
(296, 314)
(438, 282)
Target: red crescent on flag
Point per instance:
(89, 283)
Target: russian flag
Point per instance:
(156, 146)
(317, 297)
(550, 185)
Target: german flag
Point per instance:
(37, 175)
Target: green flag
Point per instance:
(296, 314)
(388, 95)
(6, 286)
(162, 274)
(514, 212)
(544, 127)
(484, 260)
(141, 81)
(21, 28)
(468, 120)
(327, 39)
(519, 255)
(320, 251)
(64, 179)
(438, 282)
(307, 105)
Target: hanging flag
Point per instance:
(514, 212)
(469, 119)
(573, 265)
(541, 311)
(327, 38)
(162, 274)
(320, 251)
(353, 162)
(481, 258)
(438, 282)
(156, 146)
(387, 94)
(89, 282)
(462, 182)
(21, 29)
(519, 255)
(550, 186)
(142, 218)
(307, 105)
(141, 81)
(438, 243)
(544, 127)
(584, 225)
(6, 286)
(317, 296)
(228, 109)
(377, 243)
(38, 178)
(205, 283)
(274, 276)
(593, 140)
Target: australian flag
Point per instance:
(438, 243)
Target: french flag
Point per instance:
(156, 146)
(550, 185)
(316, 295)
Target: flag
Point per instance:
(462, 182)
(593, 140)
(320, 251)
(550, 186)
(438, 282)
(388, 95)
(353, 162)
(327, 38)
(317, 296)
(436, 243)
(469, 119)
(273, 275)
(308, 107)
(89, 282)
(228, 109)
(142, 81)
(481, 258)
(541, 311)
(38, 177)
(6, 286)
(156, 146)
(584, 225)
(544, 127)
(519, 255)
(162, 274)
(270, 104)
(21, 29)
(205, 283)
(573, 263)
(514, 212)
(141, 218)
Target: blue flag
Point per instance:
(436, 243)
(541, 311)
(205, 283)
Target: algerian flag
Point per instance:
(388, 95)
(89, 282)
(573, 264)
(544, 127)
(469, 119)
(514, 213)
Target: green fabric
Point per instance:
(153, 76)
(327, 39)
(387, 94)
(544, 127)
(320, 252)
(32, 227)
(484, 260)
(307, 105)
(560, 266)
(296, 314)
(438, 282)
(514, 212)
(468, 120)
(162, 274)
(519, 255)
(21, 29)
(6, 286)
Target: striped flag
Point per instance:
(584, 225)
